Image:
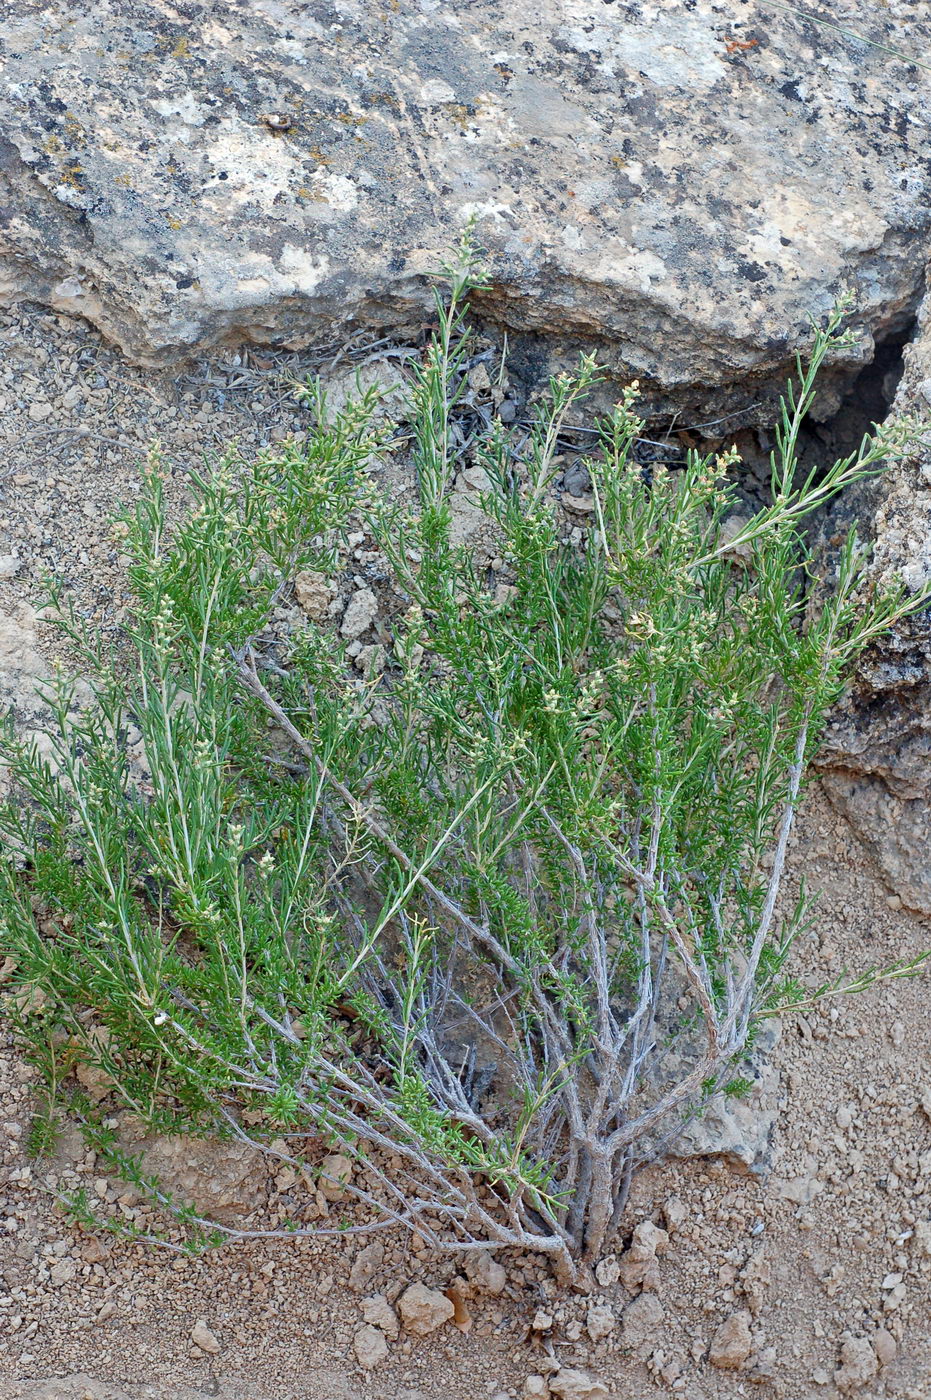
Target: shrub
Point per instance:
(493, 919)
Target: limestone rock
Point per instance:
(875, 757)
(642, 1318)
(351, 385)
(799, 1190)
(600, 1322)
(360, 613)
(202, 1337)
(755, 1277)
(62, 1272)
(885, 1346)
(424, 1309)
(378, 1312)
(858, 1364)
(577, 1385)
(675, 1213)
(483, 1270)
(732, 1343)
(366, 1266)
(371, 660)
(739, 1129)
(313, 593)
(638, 1266)
(223, 1179)
(335, 1171)
(370, 1347)
(891, 827)
(637, 180)
(467, 519)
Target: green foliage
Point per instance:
(44, 1129)
(503, 914)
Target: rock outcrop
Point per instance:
(679, 186)
(877, 759)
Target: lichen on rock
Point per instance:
(644, 182)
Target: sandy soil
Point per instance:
(827, 1257)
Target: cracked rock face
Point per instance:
(680, 188)
(876, 762)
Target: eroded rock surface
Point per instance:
(681, 184)
(224, 1180)
(739, 1128)
(875, 762)
(424, 1309)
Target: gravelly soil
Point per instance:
(833, 1245)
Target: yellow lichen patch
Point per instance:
(386, 99)
(178, 48)
(461, 115)
(75, 131)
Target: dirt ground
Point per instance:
(826, 1256)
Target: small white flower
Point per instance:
(159, 1018)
